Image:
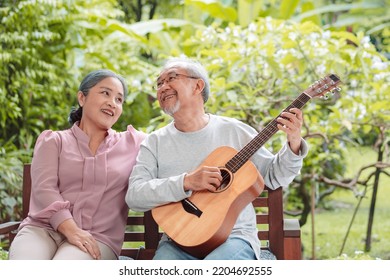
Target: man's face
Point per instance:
(174, 89)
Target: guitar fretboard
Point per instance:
(264, 135)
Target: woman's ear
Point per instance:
(81, 98)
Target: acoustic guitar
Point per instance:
(202, 222)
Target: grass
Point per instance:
(331, 226)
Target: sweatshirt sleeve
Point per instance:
(279, 170)
(146, 191)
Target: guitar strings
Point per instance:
(241, 157)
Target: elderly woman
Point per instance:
(80, 178)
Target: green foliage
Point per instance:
(10, 180)
(34, 86)
(370, 17)
(201, 11)
(47, 47)
(3, 254)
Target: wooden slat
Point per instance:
(138, 253)
(26, 190)
(135, 220)
(262, 219)
(263, 235)
(134, 236)
(260, 202)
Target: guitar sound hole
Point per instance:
(226, 180)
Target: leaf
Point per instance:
(248, 11)
(156, 25)
(287, 8)
(215, 9)
(336, 8)
(346, 35)
(309, 6)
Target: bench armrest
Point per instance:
(8, 227)
(291, 228)
(292, 239)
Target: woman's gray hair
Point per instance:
(193, 68)
(89, 81)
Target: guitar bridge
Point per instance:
(189, 207)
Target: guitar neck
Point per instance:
(264, 135)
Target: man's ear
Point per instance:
(81, 98)
(200, 85)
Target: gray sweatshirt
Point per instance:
(167, 154)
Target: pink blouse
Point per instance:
(69, 182)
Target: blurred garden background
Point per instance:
(260, 56)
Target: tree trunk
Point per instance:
(373, 201)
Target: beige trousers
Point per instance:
(35, 243)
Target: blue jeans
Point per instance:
(231, 249)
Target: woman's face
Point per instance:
(103, 105)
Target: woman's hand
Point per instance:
(80, 238)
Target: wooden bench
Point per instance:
(280, 236)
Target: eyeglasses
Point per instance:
(170, 78)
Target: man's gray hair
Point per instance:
(194, 69)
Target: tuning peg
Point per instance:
(325, 96)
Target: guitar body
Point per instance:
(201, 234)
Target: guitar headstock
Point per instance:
(324, 87)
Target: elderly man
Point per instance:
(171, 168)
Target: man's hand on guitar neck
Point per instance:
(203, 178)
(291, 123)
